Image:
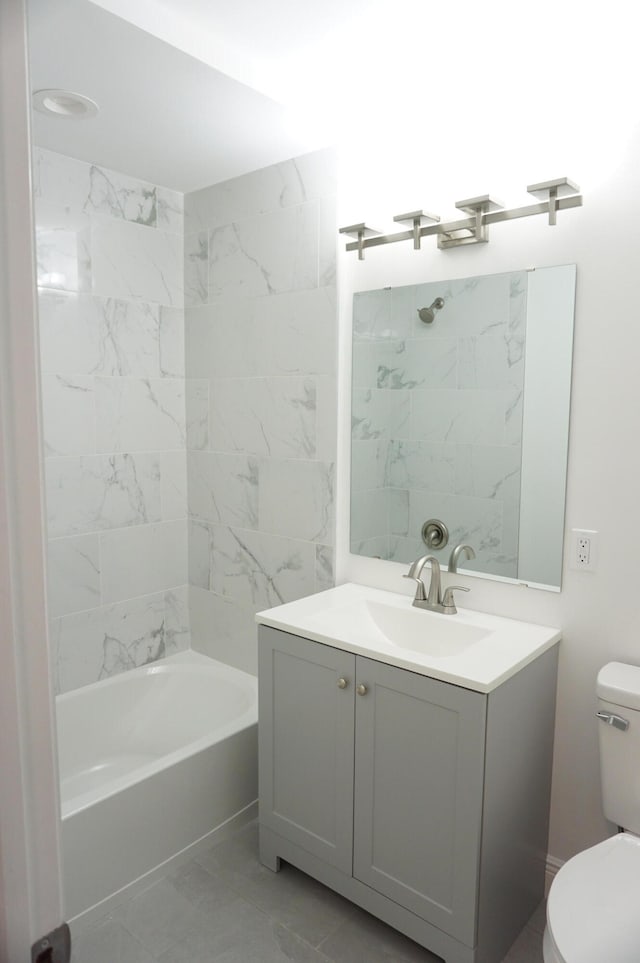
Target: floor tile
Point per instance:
(290, 897)
(158, 918)
(108, 942)
(225, 907)
(527, 948)
(364, 939)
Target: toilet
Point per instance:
(593, 908)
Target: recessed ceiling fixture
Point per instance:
(64, 103)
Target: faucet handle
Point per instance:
(421, 594)
(448, 602)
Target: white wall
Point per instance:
(598, 612)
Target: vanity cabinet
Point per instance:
(407, 794)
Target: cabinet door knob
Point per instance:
(361, 689)
(342, 683)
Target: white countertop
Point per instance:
(469, 649)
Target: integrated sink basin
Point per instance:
(438, 635)
(471, 649)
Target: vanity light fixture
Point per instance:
(555, 195)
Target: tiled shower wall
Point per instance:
(110, 276)
(260, 313)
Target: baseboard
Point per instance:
(551, 867)
(82, 920)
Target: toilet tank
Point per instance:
(618, 690)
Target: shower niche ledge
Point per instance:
(423, 800)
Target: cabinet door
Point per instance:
(419, 764)
(306, 726)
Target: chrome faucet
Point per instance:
(432, 600)
(459, 550)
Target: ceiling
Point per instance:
(165, 116)
(193, 92)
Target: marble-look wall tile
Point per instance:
(263, 351)
(296, 499)
(98, 492)
(472, 306)
(139, 414)
(454, 417)
(281, 334)
(418, 364)
(369, 514)
(372, 317)
(375, 547)
(110, 268)
(381, 413)
(487, 471)
(171, 343)
(326, 417)
(265, 416)
(73, 574)
(68, 409)
(286, 184)
(260, 569)
(268, 255)
(423, 464)
(81, 187)
(325, 568)
(143, 559)
(60, 179)
(200, 539)
(223, 488)
(327, 242)
(173, 484)
(131, 261)
(63, 250)
(399, 512)
(197, 414)
(462, 377)
(295, 333)
(196, 268)
(219, 340)
(369, 464)
(105, 641)
(82, 334)
(170, 210)
(120, 196)
(474, 521)
(224, 628)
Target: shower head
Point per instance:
(428, 314)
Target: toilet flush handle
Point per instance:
(612, 720)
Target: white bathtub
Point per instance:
(153, 763)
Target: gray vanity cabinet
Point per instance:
(306, 758)
(418, 793)
(426, 803)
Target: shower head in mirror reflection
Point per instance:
(428, 314)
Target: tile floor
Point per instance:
(225, 907)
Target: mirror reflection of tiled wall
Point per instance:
(437, 419)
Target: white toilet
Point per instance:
(593, 909)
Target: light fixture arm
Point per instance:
(559, 194)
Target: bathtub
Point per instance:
(153, 764)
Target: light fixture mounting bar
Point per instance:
(561, 195)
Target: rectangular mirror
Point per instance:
(460, 412)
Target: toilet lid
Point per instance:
(593, 910)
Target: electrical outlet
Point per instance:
(584, 550)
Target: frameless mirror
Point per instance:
(460, 412)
